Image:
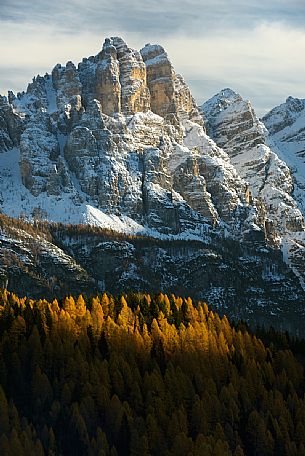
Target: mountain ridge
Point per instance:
(60, 149)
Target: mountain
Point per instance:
(174, 197)
(286, 127)
(121, 133)
(233, 124)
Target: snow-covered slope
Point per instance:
(232, 123)
(286, 135)
(235, 127)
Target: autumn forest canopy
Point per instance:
(144, 375)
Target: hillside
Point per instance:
(245, 281)
(144, 375)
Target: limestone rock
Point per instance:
(135, 96)
(117, 78)
(233, 124)
(122, 133)
(286, 135)
(10, 126)
(170, 95)
(38, 152)
(284, 115)
(191, 185)
(65, 81)
(108, 85)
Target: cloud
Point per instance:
(195, 17)
(256, 49)
(265, 64)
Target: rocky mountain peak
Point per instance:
(232, 122)
(286, 134)
(295, 104)
(122, 134)
(284, 115)
(221, 101)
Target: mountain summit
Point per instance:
(119, 135)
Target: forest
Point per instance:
(141, 374)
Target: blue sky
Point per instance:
(255, 47)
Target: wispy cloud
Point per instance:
(197, 17)
(265, 64)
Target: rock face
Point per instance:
(135, 96)
(285, 115)
(122, 133)
(107, 85)
(232, 123)
(170, 96)
(39, 150)
(10, 126)
(66, 83)
(286, 136)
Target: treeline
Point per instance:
(143, 375)
(56, 232)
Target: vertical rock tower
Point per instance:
(127, 81)
(170, 95)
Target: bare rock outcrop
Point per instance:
(122, 133)
(135, 96)
(170, 96)
(67, 85)
(10, 126)
(118, 79)
(107, 76)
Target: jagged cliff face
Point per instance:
(120, 83)
(170, 96)
(10, 126)
(122, 133)
(286, 136)
(232, 122)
